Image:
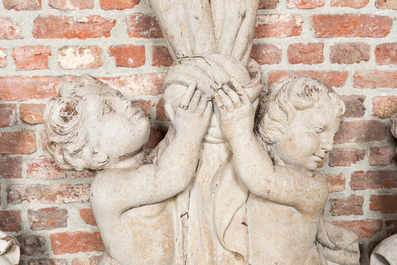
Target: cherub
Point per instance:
(294, 129)
(92, 126)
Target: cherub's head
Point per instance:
(297, 120)
(92, 126)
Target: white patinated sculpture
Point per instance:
(9, 250)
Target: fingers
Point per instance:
(232, 95)
(170, 111)
(202, 105)
(208, 110)
(188, 94)
(195, 101)
(241, 92)
(218, 100)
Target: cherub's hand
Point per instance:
(235, 111)
(193, 114)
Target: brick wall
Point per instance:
(349, 44)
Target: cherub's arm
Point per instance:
(283, 185)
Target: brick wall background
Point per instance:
(349, 44)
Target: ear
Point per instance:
(169, 111)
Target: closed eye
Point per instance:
(107, 109)
(319, 130)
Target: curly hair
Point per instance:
(277, 107)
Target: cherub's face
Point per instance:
(309, 137)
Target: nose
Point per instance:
(327, 143)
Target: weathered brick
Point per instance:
(118, 4)
(77, 57)
(386, 4)
(25, 88)
(32, 245)
(65, 5)
(363, 228)
(344, 157)
(143, 26)
(383, 203)
(349, 3)
(128, 55)
(43, 140)
(278, 25)
(351, 25)
(332, 78)
(3, 58)
(161, 56)
(19, 5)
(47, 218)
(44, 168)
(336, 183)
(74, 242)
(160, 111)
(268, 4)
(87, 216)
(8, 115)
(302, 4)
(391, 227)
(72, 27)
(9, 30)
(376, 180)
(265, 53)
(382, 156)
(47, 262)
(10, 220)
(354, 106)
(384, 106)
(31, 57)
(350, 53)
(86, 261)
(375, 79)
(386, 53)
(23, 142)
(352, 205)
(156, 135)
(361, 132)
(137, 85)
(32, 113)
(82, 174)
(146, 106)
(53, 193)
(311, 53)
(10, 167)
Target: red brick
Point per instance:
(363, 228)
(23, 142)
(384, 106)
(332, 78)
(74, 242)
(305, 4)
(118, 4)
(25, 88)
(361, 132)
(47, 218)
(77, 57)
(137, 85)
(375, 79)
(8, 116)
(32, 113)
(278, 25)
(3, 58)
(382, 156)
(143, 26)
(386, 4)
(354, 106)
(350, 53)
(9, 30)
(386, 53)
(82, 174)
(10, 167)
(268, 4)
(311, 53)
(156, 135)
(86, 261)
(265, 53)
(53, 193)
(349, 3)
(44, 168)
(32, 245)
(10, 220)
(336, 183)
(146, 106)
(161, 56)
(128, 55)
(72, 27)
(47, 262)
(376, 180)
(71, 4)
(352, 205)
(160, 111)
(87, 216)
(31, 57)
(383, 203)
(392, 224)
(351, 25)
(19, 5)
(344, 157)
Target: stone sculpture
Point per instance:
(9, 250)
